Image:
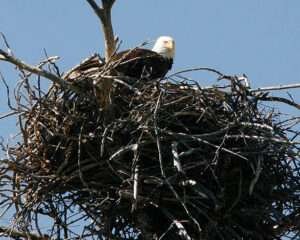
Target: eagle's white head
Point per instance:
(165, 46)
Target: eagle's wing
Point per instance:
(87, 66)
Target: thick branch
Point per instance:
(104, 14)
(4, 56)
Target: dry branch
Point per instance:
(278, 87)
(4, 56)
(104, 14)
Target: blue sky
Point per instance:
(259, 37)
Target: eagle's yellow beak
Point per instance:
(170, 44)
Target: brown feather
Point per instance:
(144, 63)
(137, 63)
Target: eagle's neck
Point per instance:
(164, 52)
(170, 62)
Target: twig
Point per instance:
(176, 158)
(156, 130)
(79, 158)
(221, 75)
(118, 80)
(239, 193)
(136, 173)
(260, 159)
(7, 92)
(6, 43)
(194, 137)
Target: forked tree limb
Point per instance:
(104, 14)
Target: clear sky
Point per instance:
(259, 37)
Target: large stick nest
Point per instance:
(167, 159)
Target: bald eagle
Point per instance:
(145, 63)
(137, 63)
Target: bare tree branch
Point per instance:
(4, 56)
(279, 87)
(104, 14)
(280, 99)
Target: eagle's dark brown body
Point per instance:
(144, 63)
(137, 63)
